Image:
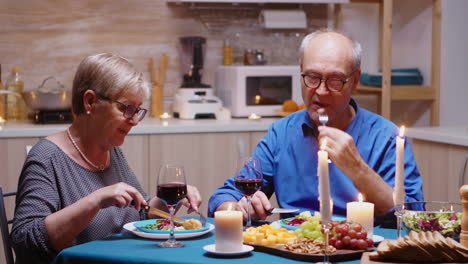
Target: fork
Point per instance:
(323, 117)
(202, 218)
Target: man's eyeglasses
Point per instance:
(128, 110)
(333, 84)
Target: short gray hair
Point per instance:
(108, 75)
(356, 52)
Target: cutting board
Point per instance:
(365, 260)
(339, 255)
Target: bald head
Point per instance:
(330, 40)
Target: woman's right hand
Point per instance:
(120, 195)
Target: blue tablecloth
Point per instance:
(128, 248)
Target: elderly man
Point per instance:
(360, 144)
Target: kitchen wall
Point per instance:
(50, 37)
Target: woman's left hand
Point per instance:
(193, 199)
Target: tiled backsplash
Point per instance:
(51, 38)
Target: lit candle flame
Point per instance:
(257, 99)
(402, 131)
(165, 115)
(360, 198)
(323, 145)
(2, 120)
(254, 116)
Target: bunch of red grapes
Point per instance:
(344, 235)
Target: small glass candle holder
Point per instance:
(399, 208)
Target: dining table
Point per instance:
(126, 247)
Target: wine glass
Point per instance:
(171, 189)
(249, 180)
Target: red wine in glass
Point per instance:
(248, 186)
(171, 189)
(172, 193)
(249, 180)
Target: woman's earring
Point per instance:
(88, 112)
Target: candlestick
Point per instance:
(324, 185)
(399, 196)
(228, 234)
(464, 219)
(362, 213)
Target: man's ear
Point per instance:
(356, 78)
(89, 99)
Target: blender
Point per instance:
(194, 99)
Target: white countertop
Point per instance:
(147, 126)
(456, 135)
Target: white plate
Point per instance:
(377, 238)
(212, 249)
(131, 228)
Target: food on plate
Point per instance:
(289, 106)
(165, 224)
(446, 222)
(309, 246)
(191, 224)
(268, 235)
(300, 107)
(299, 219)
(425, 246)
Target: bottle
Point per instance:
(15, 110)
(2, 99)
(227, 53)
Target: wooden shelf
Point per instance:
(387, 93)
(402, 92)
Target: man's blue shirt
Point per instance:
(288, 154)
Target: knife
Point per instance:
(161, 213)
(282, 210)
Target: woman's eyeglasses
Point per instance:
(128, 110)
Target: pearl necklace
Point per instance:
(100, 167)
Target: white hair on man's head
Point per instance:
(356, 47)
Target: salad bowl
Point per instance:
(444, 217)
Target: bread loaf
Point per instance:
(423, 247)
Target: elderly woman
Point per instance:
(76, 185)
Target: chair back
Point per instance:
(4, 222)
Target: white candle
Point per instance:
(399, 195)
(362, 213)
(324, 185)
(228, 231)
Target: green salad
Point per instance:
(445, 221)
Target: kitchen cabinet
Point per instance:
(388, 92)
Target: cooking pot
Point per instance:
(46, 97)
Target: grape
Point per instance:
(352, 233)
(357, 227)
(339, 244)
(353, 243)
(370, 242)
(332, 241)
(346, 240)
(362, 244)
(361, 235)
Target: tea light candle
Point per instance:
(399, 195)
(254, 116)
(324, 185)
(2, 120)
(362, 213)
(228, 230)
(165, 115)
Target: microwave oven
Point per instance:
(258, 89)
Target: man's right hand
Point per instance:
(260, 205)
